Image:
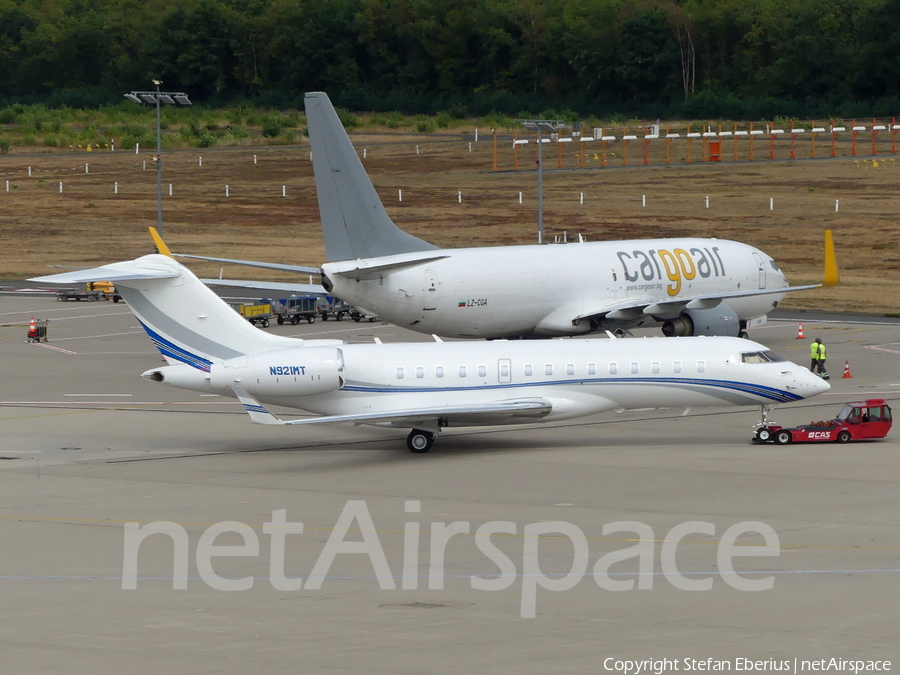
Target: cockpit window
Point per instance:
(774, 265)
(761, 357)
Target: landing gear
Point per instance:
(744, 335)
(419, 441)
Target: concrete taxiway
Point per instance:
(88, 446)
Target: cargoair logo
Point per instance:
(287, 370)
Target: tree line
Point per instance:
(750, 59)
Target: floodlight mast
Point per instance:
(158, 97)
(552, 125)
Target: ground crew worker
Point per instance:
(817, 354)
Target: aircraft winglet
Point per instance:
(832, 276)
(160, 244)
(258, 413)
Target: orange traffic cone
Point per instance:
(32, 331)
(800, 331)
(846, 370)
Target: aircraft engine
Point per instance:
(299, 371)
(721, 320)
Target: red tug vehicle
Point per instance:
(858, 421)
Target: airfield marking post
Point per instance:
(284, 190)
(399, 195)
(254, 160)
(86, 168)
(7, 186)
(837, 205)
(707, 201)
(494, 132)
(60, 187)
(771, 203)
(646, 149)
(226, 191)
(170, 189)
(643, 201)
(200, 162)
(29, 172)
(580, 198)
(854, 131)
(116, 188)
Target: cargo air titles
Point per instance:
(673, 266)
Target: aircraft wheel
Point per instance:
(783, 437)
(280, 320)
(764, 435)
(744, 335)
(843, 436)
(419, 441)
(372, 319)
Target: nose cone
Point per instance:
(810, 384)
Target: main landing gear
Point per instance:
(419, 441)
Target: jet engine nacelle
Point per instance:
(299, 371)
(721, 320)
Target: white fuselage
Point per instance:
(511, 291)
(577, 376)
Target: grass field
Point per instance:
(88, 224)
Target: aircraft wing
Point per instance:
(253, 263)
(629, 309)
(307, 289)
(519, 408)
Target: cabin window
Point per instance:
(504, 370)
(548, 369)
(592, 369)
(528, 370)
(874, 414)
(613, 368)
(420, 372)
(701, 366)
(400, 372)
(462, 371)
(654, 366)
(570, 369)
(634, 368)
(439, 371)
(752, 357)
(676, 366)
(482, 371)
(887, 414)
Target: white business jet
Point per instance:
(688, 286)
(432, 385)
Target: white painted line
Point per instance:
(134, 403)
(98, 394)
(92, 337)
(56, 349)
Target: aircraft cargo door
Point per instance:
(504, 371)
(761, 266)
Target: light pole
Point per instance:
(157, 98)
(539, 124)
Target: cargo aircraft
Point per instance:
(427, 386)
(688, 286)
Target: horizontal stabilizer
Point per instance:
(301, 269)
(122, 271)
(306, 289)
(260, 415)
(358, 271)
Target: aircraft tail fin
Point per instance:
(354, 222)
(832, 276)
(186, 320)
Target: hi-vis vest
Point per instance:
(817, 351)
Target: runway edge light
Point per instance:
(832, 277)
